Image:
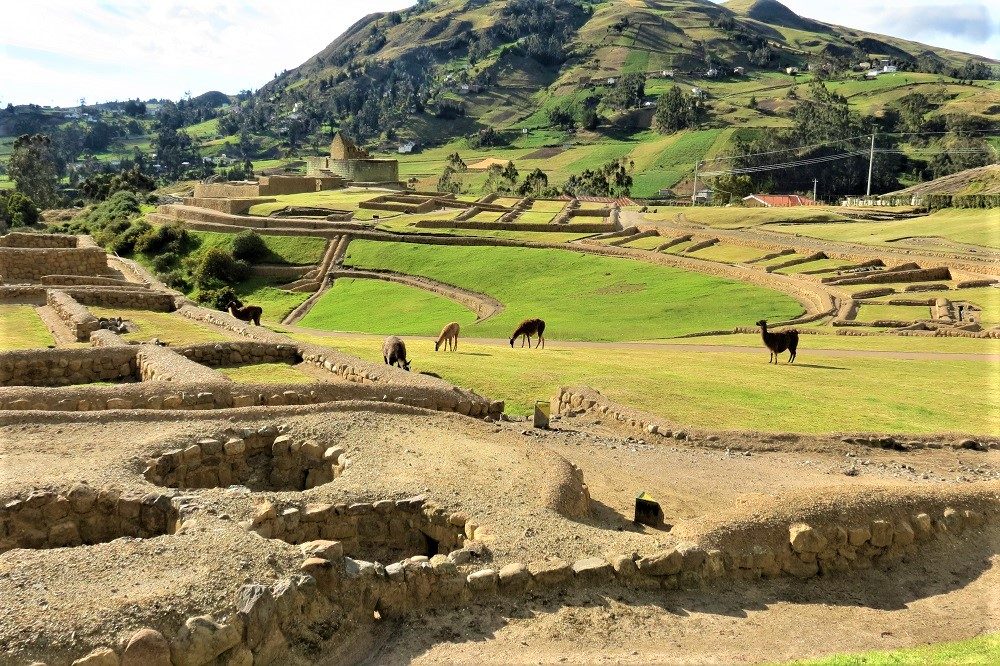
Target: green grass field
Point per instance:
(987, 299)
(738, 217)
(172, 329)
(979, 650)
(289, 250)
(581, 297)
(347, 199)
(22, 328)
(973, 226)
(262, 292)
(872, 312)
(267, 373)
(729, 253)
(727, 390)
(376, 306)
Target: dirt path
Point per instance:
(698, 348)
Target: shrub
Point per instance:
(167, 238)
(249, 246)
(17, 210)
(164, 262)
(218, 268)
(176, 279)
(120, 237)
(215, 298)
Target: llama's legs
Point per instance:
(523, 339)
(541, 338)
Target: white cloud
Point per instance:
(57, 51)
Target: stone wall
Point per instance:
(76, 317)
(22, 294)
(261, 460)
(87, 280)
(161, 364)
(232, 205)
(65, 367)
(32, 240)
(231, 190)
(574, 227)
(383, 531)
(229, 354)
(881, 277)
(30, 264)
(135, 298)
(334, 589)
(275, 185)
(359, 171)
(83, 515)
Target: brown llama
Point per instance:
(528, 328)
(394, 353)
(248, 313)
(449, 335)
(779, 342)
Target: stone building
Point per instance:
(353, 163)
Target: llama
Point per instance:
(249, 313)
(779, 342)
(528, 328)
(449, 335)
(394, 353)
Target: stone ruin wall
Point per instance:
(228, 354)
(77, 318)
(63, 367)
(128, 299)
(358, 171)
(20, 239)
(334, 587)
(30, 264)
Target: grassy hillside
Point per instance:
(612, 299)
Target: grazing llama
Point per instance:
(245, 313)
(528, 328)
(394, 353)
(449, 335)
(779, 342)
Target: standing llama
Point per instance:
(528, 328)
(779, 342)
(245, 313)
(449, 335)
(394, 353)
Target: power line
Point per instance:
(786, 165)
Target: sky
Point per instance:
(55, 52)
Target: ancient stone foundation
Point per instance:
(262, 460)
(83, 515)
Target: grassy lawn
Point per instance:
(581, 297)
(537, 216)
(735, 390)
(376, 306)
(893, 312)
(647, 243)
(22, 328)
(818, 265)
(347, 199)
(979, 650)
(828, 339)
(737, 217)
(729, 254)
(173, 329)
(986, 298)
(277, 303)
(974, 226)
(290, 250)
(267, 373)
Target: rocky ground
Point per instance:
(524, 486)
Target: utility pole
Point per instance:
(871, 163)
(815, 182)
(694, 192)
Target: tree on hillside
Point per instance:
(173, 148)
(674, 111)
(448, 182)
(34, 168)
(456, 162)
(534, 185)
(17, 210)
(501, 179)
(627, 92)
(611, 180)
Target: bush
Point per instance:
(167, 238)
(219, 268)
(164, 262)
(17, 210)
(249, 246)
(120, 237)
(176, 279)
(215, 298)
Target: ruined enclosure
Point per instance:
(385, 531)
(259, 462)
(83, 516)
